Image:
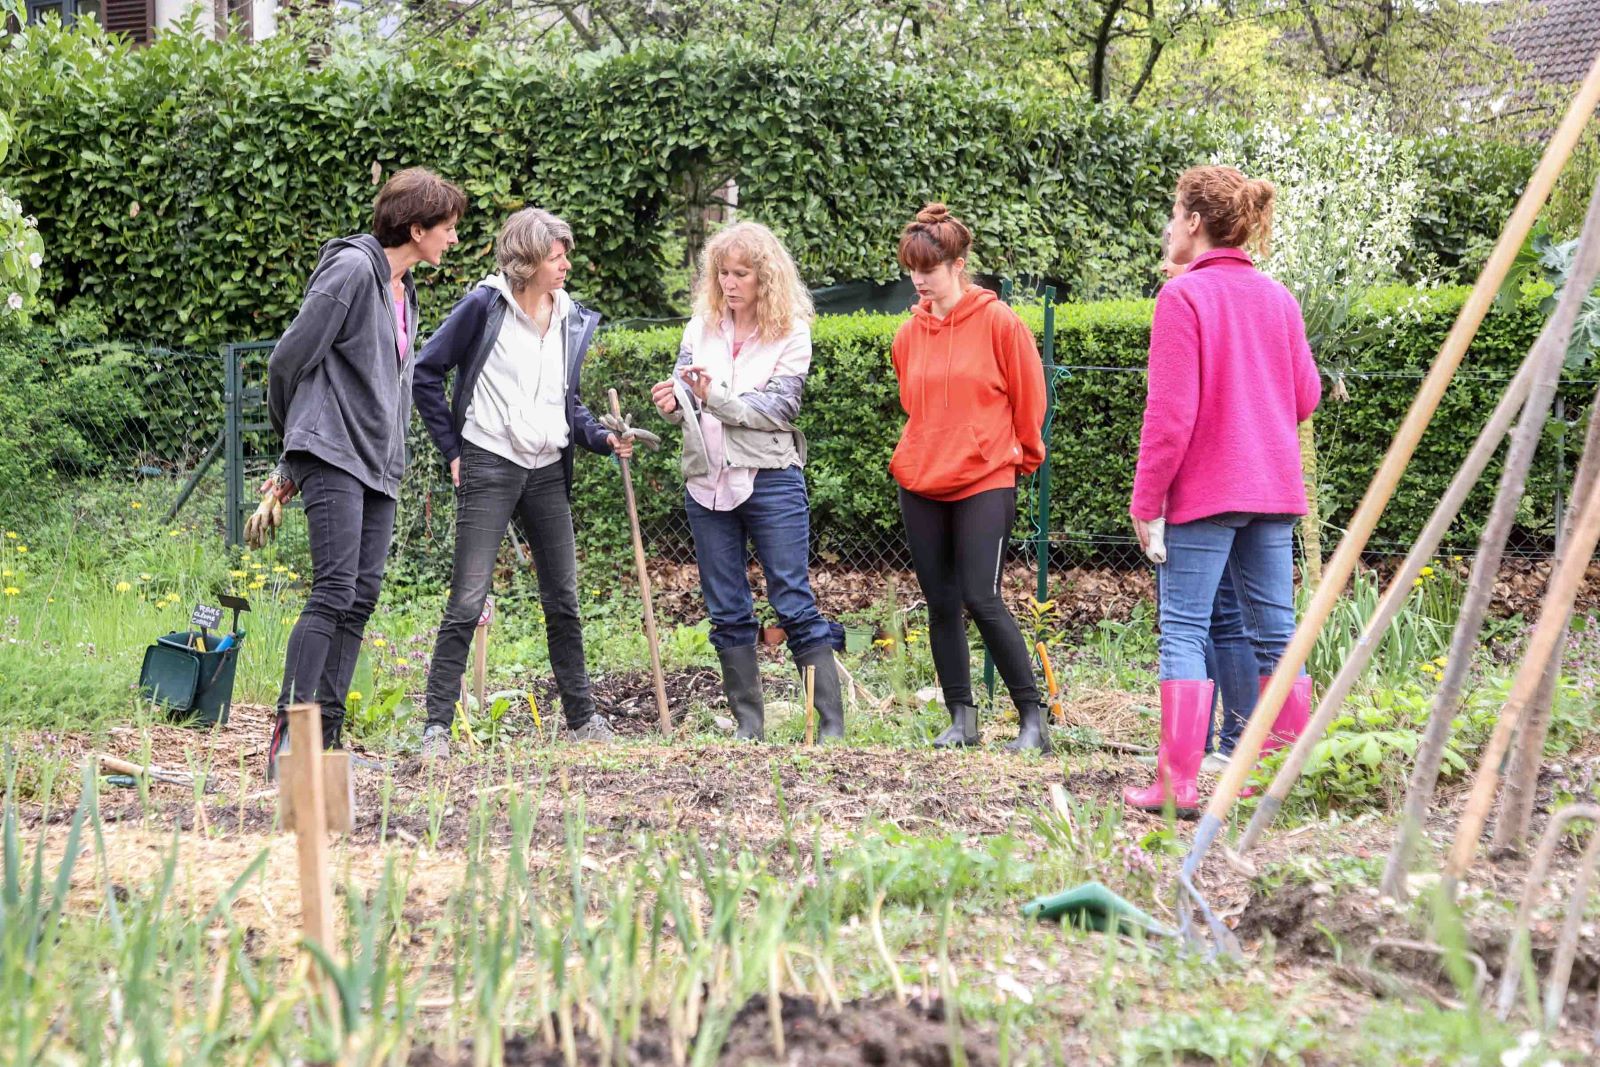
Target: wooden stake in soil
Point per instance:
(480, 656)
(303, 777)
(644, 583)
(1395, 461)
(811, 704)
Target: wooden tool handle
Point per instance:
(659, 678)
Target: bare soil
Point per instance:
(864, 1033)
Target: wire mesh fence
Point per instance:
(185, 432)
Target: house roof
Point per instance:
(1558, 39)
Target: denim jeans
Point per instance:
(1256, 553)
(493, 492)
(777, 520)
(349, 527)
(1232, 664)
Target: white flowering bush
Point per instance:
(21, 249)
(1348, 195)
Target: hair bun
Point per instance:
(933, 214)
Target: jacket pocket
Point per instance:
(939, 459)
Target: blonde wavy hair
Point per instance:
(781, 298)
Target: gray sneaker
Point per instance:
(435, 741)
(597, 729)
(1214, 763)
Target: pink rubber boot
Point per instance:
(1185, 712)
(1292, 717)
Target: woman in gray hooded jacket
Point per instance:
(339, 393)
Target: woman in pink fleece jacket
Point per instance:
(1231, 377)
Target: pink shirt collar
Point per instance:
(1221, 255)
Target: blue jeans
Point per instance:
(777, 520)
(1256, 554)
(1231, 662)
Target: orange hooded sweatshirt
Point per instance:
(972, 387)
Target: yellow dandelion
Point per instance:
(174, 533)
(257, 584)
(293, 577)
(6, 573)
(12, 590)
(239, 574)
(378, 642)
(144, 577)
(1455, 559)
(1426, 572)
(123, 587)
(1426, 668)
(884, 642)
(11, 535)
(136, 505)
(49, 600)
(1416, 581)
(354, 697)
(280, 569)
(1441, 661)
(22, 550)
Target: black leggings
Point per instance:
(957, 547)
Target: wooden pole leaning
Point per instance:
(1343, 564)
(644, 584)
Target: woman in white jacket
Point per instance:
(736, 392)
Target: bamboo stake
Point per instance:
(644, 583)
(1348, 554)
(1516, 803)
(1553, 613)
(480, 657)
(1551, 349)
(1531, 392)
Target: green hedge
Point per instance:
(187, 186)
(106, 409)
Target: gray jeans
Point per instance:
(349, 527)
(493, 492)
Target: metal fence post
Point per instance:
(233, 451)
(1041, 525)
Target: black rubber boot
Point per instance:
(1034, 733)
(741, 681)
(826, 695)
(332, 732)
(963, 731)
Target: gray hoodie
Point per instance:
(336, 387)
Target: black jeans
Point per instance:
(349, 527)
(493, 492)
(957, 547)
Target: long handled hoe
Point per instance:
(1344, 560)
(1531, 392)
(644, 584)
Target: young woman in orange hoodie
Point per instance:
(972, 387)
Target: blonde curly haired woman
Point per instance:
(736, 392)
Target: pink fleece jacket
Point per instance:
(1231, 377)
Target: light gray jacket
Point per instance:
(758, 425)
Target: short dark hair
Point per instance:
(415, 196)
